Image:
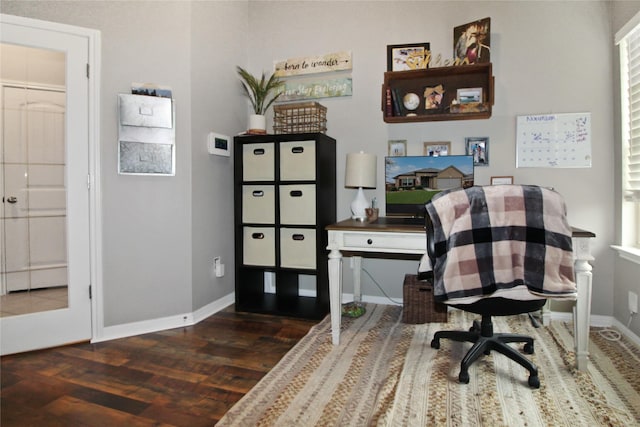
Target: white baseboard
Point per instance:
(188, 319)
(596, 320)
(163, 323)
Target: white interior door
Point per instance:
(33, 214)
(50, 196)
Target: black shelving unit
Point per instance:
(285, 196)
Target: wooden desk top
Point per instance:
(380, 225)
(353, 225)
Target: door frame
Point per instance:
(94, 177)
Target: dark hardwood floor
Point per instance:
(181, 377)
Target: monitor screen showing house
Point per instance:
(411, 181)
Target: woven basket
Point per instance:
(299, 118)
(419, 305)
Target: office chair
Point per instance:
(498, 251)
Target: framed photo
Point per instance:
(440, 148)
(472, 41)
(469, 95)
(397, 147)
(479, 149)
(433, 97)
(403, 57)
(501, 180)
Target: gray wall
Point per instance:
(161, 233)
(548, 57)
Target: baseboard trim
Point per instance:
(164, 323)
(188, 319)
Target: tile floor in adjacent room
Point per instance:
(25, 302)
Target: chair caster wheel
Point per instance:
(435, 344)
(528, 348)
(534, 381)
(463, 377)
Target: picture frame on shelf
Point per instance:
(437, 148)
(478, 147)
(469, 95)
(501, 180)
(410, 56)
(472, 42)
(433, 96)
(397, 147)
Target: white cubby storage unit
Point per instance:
(285, 196)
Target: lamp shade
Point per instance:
(360, 170)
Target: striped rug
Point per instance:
(384, 373)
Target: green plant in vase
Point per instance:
(262, 92)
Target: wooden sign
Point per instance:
(314, 64)
(299, 89)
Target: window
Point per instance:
(628, 38)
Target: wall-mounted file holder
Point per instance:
(146, 135)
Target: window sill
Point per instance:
(628, 253)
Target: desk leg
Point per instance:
(357, 270)
(335, 293)
(582, 312)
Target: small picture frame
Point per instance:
(478, 147)
(397, 147)
(469, 95)
(438, 148)
(501, 180)
(404, 57)
(433, 97)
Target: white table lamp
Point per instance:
(360, 173)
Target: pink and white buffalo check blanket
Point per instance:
(496, 238)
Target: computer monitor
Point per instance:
(412, 181)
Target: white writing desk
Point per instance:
(361, 238)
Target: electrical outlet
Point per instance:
(218, 267)
(633, 302)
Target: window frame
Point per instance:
(629, 35)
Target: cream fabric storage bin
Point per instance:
(258, 162)
(258, 204)
(298, 160)
(298, 204)
(259, 246)
(298, 248)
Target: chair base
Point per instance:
(484, 341)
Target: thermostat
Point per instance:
(218, 144)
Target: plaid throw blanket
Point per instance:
(499, 237)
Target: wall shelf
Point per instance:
(397, 84)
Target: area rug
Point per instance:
(385, 373)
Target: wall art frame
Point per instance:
(478, 147)
(409, 56)
(437, 148)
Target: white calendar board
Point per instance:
(554, 141)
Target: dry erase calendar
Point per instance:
(554, 141)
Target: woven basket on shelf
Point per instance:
(299, 117)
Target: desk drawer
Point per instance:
(392, 241)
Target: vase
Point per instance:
(257, 124)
